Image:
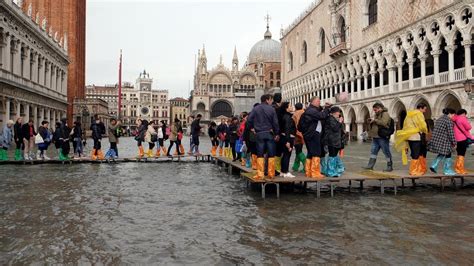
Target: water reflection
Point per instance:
(192, 213)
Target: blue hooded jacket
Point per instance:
(6, 137)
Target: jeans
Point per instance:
(78, 146)
(113, 146)
(177, 146)
(265, 142)
(380, 143)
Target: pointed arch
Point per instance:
(304, 52)
(321, 41)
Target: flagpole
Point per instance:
(120, 88)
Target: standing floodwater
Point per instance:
(194, 213)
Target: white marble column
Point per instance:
(436, 55)
(7, 111)
(17, 59)
(55, 119)
(467, 58)
(53, 78)
(450, 49)
(423, 69)
(26, 63)
(360, 129)
(400, 75)
(35, 116)
(34, 68)
(410, 62)
(41, 70)
(47, 74)
(27, 112)
(18, 110)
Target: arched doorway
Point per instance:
(449, 101)
(428, 113)
(400, 113)
(221, 108)
(364, 117)
(201, 108)
(351, 116)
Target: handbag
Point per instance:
(38, 139)
(238, 145)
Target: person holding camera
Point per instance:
(378, 126)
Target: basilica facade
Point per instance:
(223, 92)
(399, 53)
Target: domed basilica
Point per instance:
(223, 92)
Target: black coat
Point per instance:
(310, 119)
(25, 131)
(233, 132)
(98, 129)
(334, 134)
(17, 132)
(288, 125)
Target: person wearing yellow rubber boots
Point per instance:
(212, 132)
(264, 122)
(151, 137)
(311, 125)
(98, 129)
(250, 141)
(222, 131)
(142, 126)
(277, 101)
(462, 129)
(413, 136)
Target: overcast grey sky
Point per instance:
(163, 37)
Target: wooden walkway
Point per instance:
(161, 159)
(392, 180)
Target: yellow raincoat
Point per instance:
(414, 124)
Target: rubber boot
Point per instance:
(448, 167)
(303, 162)
(93, 154)
(316, 168)
(248, 162)
(242, 159)
(254, 161)
(213, 151)
(371, 164)
(422, 164)
(141, 152)
(100, 155)
(331, 167)
(158, 152)
(340, 168)
(389, 166)
(164, 150)
(324, 165)
(308, 167)
(459, 166)
(61, 155)
(260, 168)
(18, 155)
(149, 153)
(271, 167)
(181, 149)
(3, 155)
(221, 151)
(415, 168)
(296, 163)
(278, 163)
(435, 163)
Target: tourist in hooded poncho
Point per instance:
(463, 136)
(6, 138)
(413, 135)
(334, 141)
(443, 142)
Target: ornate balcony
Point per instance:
(338, 50)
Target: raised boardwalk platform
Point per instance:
(393, 179)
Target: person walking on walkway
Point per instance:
(334, 140)
(222, 131)
(142, 126)
(263, 120)
(6, 139)
(380, 122)
(250, 139)
(98, 129)
(114, 134)
(213, 137)
(18, 139)
(414, 134)
(162, 136)
(44, 137)
(287, 138)
(64, 134)
(151, 137)
(300, 157)
(195, 132)
(311, 125)
(77, 134)
(233, 128)
(28, 133)
(443, 142)
(176, 130)
(463, 137)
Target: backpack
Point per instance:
(387, 132)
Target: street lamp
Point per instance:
(469, 88)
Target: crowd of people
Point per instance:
(264, 139)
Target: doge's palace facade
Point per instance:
(398, 52)
(33, 67)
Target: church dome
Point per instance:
(266, 50)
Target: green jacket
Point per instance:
(381, 119)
